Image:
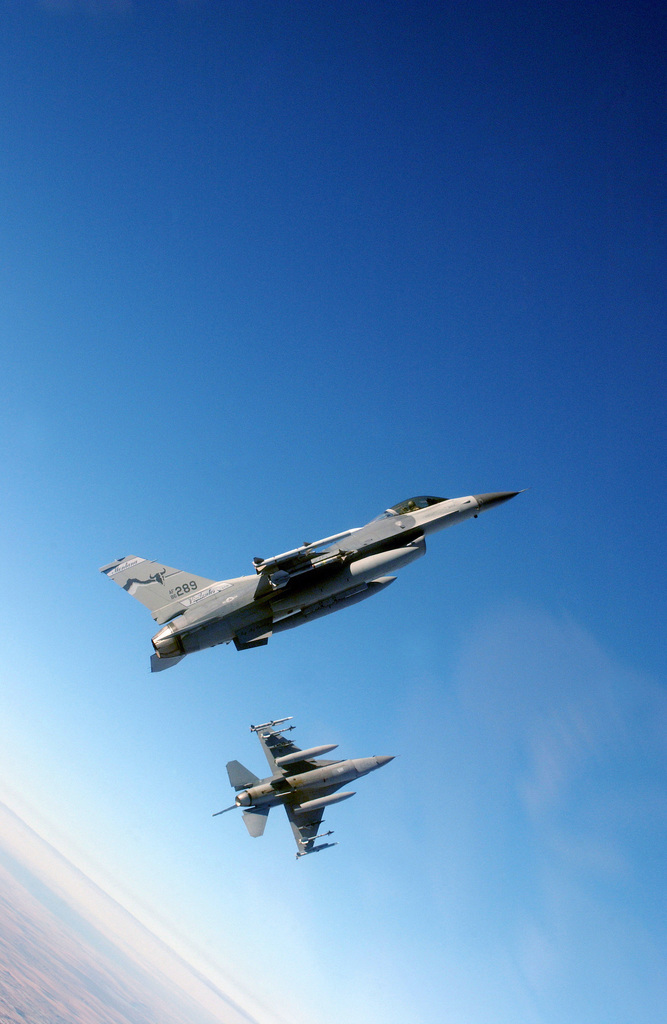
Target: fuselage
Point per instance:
(315, 580)
(318, 782)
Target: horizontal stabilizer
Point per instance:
(256, 635)
(160, 664)
(239, 776)
(249, 645)
(255, 821)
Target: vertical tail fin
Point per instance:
(155, 584)
(239, 776)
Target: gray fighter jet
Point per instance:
(304, 786)
(289, 589)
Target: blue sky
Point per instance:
(266, 270)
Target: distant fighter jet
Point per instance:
(289, 589)
(304, 786)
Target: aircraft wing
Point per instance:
(305, 832)
(305, 557)
(275, 744)
(381, 534)
(377, 535)
(277, 748)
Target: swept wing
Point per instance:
(285, 758)
(306, 832)
(308, 556)
(282, 755)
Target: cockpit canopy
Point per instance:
(410, 505)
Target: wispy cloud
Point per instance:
(565, 766)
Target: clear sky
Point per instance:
(266, 269)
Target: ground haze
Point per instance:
(59, 965)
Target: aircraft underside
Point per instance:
(304, 599)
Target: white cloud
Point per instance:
(561, 753)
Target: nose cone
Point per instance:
(384, 760)
(494, 498)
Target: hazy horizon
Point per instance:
(103, 925)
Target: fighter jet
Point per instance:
(288, 589)
(304, 786)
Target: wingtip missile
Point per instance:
(270, 725)
(315, 849)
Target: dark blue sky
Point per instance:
(268, 268)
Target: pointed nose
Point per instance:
(493, 498)
(384, 759)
